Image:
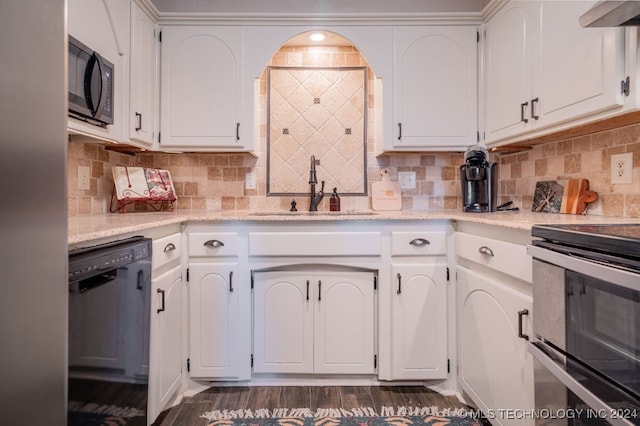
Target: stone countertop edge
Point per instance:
(93, 227)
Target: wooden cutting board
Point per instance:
(577, 196)
(570, 196)
(385, 194)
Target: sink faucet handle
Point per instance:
(293, 206)
(322, 187)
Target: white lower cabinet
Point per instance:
(314, 322)
(495, 368)
(214, 316)
(166, 361)
(419, 321)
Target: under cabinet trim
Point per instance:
(315, 267)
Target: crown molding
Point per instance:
(324, 19)
(491, 8)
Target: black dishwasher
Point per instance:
(108, 359)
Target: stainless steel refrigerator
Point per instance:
(33, 212)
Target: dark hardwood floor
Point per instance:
(313, 397)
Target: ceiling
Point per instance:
(323, 7)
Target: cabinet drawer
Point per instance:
(418, 243)
(314, 244)
(166, 250)
(213, 244)
(509, 258)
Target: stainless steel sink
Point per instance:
(305, 213)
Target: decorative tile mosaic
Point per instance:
(333, 130)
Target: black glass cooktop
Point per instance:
(617, 239)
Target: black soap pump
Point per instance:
(334, 201)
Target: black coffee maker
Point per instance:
(479, 180)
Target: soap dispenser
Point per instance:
(334, 201)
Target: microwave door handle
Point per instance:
(103, 85)
(97, 61)
(572, 384)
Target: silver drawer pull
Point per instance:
(169, 247)
(486, 250)
(214, 243)
(419, 242)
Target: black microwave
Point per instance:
(90, 85)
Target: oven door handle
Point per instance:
(557, 369)
(594, 269)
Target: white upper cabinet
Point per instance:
(544, 69)
(201, 90)
(435, 88)
(509, 41)
(103, 26)
(580, 69)
(143, 82)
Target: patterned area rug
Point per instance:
(91, 414)
(419, 416)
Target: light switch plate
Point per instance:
(407, 180)
(84, 178)
(250, 181)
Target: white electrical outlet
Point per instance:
(84, 178)
(407, 180)
(250, 181)
(621, 168)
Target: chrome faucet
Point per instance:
(314, 199)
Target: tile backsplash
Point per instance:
(587, 157)
(216, 181)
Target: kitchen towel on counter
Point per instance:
(386, 194)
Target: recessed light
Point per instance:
(317, 36)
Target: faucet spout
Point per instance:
(314, 198)
(312, 171)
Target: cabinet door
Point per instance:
(344, 323)
(543, 68)
(580, 69)
(511, 37)
(166, 360)
(419, 321)
(435, 87)
(283, 322)
(142, 91)
(201, 87)
(494, 366)
(214, 318)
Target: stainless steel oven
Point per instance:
(109, 320)
(586, 322)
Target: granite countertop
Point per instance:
(92, 227)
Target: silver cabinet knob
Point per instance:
(169, 247)
(486, 250)
(213, 243)
(419, 242)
